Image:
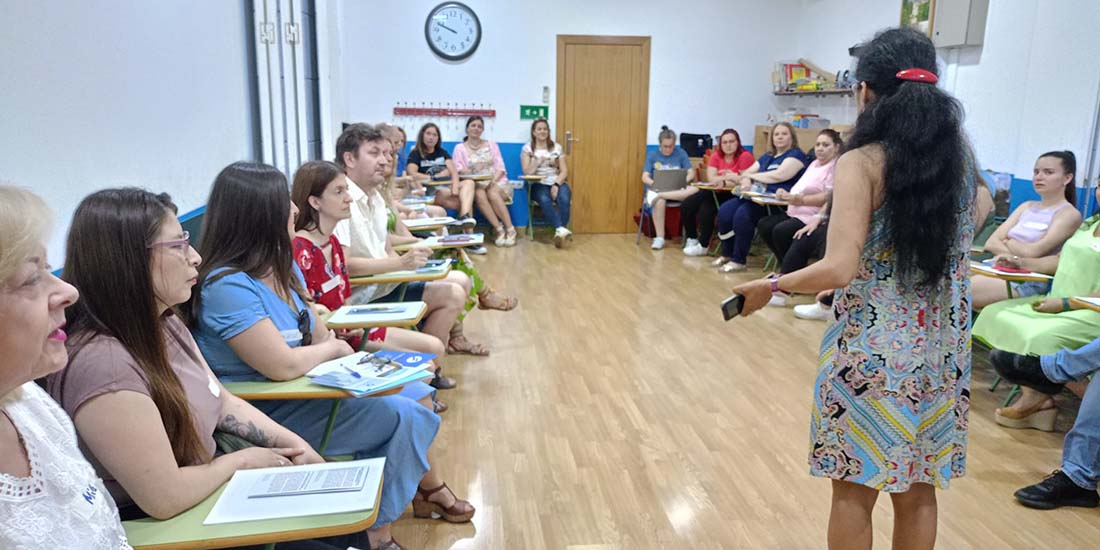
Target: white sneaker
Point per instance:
(468, 220)
(559, 237)
(696, 250)
(719, 262)
(479, 250)
(732, 267)
(813, 312)
(778, 300)
(688, 243)
(658, 243)
(650, 198)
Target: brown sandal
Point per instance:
(489, 299)
(459, 512)
(459, 345)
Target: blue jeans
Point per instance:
(737, 220)
(391, 426)
(1081, 449)
(558, 216)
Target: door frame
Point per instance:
(639, 106)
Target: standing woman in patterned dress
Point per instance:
(892, 393)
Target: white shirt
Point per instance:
(364, 236)
(548, 170)
(63, 504)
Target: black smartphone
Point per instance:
(731, 307)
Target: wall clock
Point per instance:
(453, 31)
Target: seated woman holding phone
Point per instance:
(1034, 230)
(544, 158)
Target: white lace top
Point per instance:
(63, 504)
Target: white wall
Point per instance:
(1030, 88)
(824, 32)
(98, 94)
(1033, 86)
(694, 87)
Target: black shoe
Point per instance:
(1055, 491)
(442, 382)
(1024, 370)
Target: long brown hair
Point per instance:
(244, 231)
(549, 139)
(108, 259)
(420, 138)
(311, 180)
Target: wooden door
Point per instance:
(603, 104)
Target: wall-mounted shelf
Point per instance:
(816, 92)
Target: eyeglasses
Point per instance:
(304, 327)
(178, 244)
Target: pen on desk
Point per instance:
(353, 373)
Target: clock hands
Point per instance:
(448, 28)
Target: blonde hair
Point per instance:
(24, 225)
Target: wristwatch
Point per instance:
(775, 285)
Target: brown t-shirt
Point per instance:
(104, 366)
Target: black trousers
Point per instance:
(778, 232)
(699, 211)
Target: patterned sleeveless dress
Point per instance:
(893, 386)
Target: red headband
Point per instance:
(917, 75)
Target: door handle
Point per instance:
(569, 141)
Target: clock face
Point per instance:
(453, 31)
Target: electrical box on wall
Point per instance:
(959, 23)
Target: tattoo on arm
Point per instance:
(249, 431)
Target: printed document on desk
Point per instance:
(376, 313)
(237, 502)
(417, 223)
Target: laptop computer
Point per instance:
(669, 180)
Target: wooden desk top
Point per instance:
(434, 244)
(299, 388)
(531, 177)
(186, 531)
(1086, 303)
(402, 277)
(987, 271)
(396, 323)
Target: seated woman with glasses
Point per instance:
(252, 320)
(145, 405)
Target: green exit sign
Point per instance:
(531, 112)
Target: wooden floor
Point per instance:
(619, 411)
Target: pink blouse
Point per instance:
(483, 160)
(818, 178)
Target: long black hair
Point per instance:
(927, 162)
(1069, 165)
(108, 259)
(245, 230)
